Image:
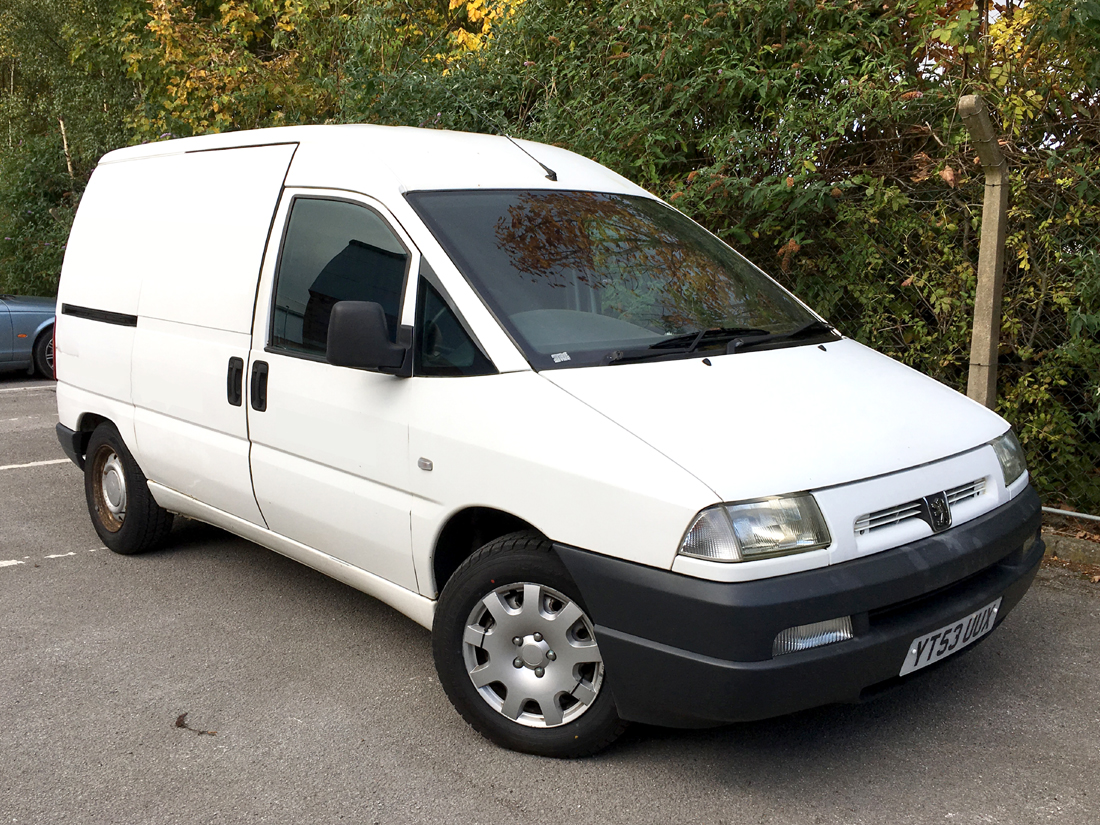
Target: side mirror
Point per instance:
(358, 337)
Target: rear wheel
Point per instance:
(43, 354)
(517, 654)
(123, 511)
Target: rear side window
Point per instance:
(333, 251)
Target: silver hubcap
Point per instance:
(532, 655)
(113, 484)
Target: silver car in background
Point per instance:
(26, 334)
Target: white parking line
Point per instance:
(34, 464)
(48, 388)
(13, 562)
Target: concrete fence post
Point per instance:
(986, 337)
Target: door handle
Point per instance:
(259, 386)
(233, 380)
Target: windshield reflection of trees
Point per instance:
(638, 261)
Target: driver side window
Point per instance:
(333, 251)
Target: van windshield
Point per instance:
(585, 278)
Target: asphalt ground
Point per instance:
(309, 702)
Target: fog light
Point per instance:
(817, 634)
(1029, 545)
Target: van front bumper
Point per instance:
(687, 652)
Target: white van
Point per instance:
(619, 472)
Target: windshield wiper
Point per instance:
(804, 331)
(693, 339)
(681, 344)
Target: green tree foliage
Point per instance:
(63, 100)
(218, 65)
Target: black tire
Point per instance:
(551, 720)
(43, 354)
(123, 511)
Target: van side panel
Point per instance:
(189, 437)
(204, 219)
(107, 234)
(180, 236)
(95, 357)
(202, 251)
(91, 353)
(73, 404)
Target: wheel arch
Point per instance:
(465, 532)
(44, 328)
(90, 420)
(84, 428)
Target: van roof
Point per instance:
(368, 157)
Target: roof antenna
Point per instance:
(550, 173)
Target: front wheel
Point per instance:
(516, 652)
(123, 511)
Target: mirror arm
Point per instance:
(405, 340)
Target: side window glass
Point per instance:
(443, 347)
(333, 251)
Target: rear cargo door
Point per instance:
(330, 462)
(199, 231)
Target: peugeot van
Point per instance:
(618, 471)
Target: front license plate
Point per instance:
(950, 639)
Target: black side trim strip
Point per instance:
(119, 318)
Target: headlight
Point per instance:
(756, 530)
(1011, 455)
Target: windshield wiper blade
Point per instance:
(806, 330)
(693, 339)
(680, 344)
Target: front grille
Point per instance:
(890, 516)
(966, 491)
